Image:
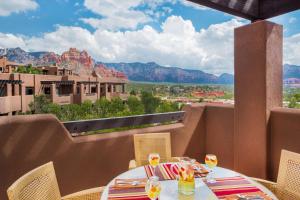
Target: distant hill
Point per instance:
(18, 55)
(39, 54)
(152, 72)
(146, 72)
(291, 71)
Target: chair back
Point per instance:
(38, 184)
(288, 180)
(144, 144)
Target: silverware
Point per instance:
(133, 183)
(249, 197)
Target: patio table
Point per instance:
(169, 189)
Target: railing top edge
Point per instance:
(132, 116)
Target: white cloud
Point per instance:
(10, 40)
(292, 20)
(115, 14)
(8, 7)
(292, 49)
(124, 20)
(178, 44)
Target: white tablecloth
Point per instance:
(170, 190)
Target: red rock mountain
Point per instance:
(106, 72)
(79, 61)
(74, 56)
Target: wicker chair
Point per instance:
(41, 184)
(144, 144)
(288, 180)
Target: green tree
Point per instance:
(167, 107)
(135, 105)
(28, 70)
(297, 97)
(117, 107)
(102, 108)
(55, 109)
(150, 102)
(133, 92)
(40, 104)
(71, 112)
(86, 110)
(293, 103)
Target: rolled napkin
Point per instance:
(130, 183)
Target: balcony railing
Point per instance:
(119, 122)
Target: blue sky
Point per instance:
(169, 32)
(67, 13)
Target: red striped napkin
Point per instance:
(163, 171)
(230, 188)
(127, 194)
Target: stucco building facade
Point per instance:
(60, 85)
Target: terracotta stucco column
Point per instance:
(258, 88)
(53, 92)
(98, 90)
(8, 89)
(17, 90)
(82, 92)
(23, 98)
(74, 88)
(107, 93)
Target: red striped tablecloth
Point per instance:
(229, 188)
(163, 171)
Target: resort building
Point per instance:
(60, 85)
(7, 66)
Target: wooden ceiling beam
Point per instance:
(252, 9)
(271, 8)
(247, 9)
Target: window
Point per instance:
(29, 90)
(93, 89)
(47, 90)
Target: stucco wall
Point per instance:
(89, 161)
(284, 134)
(63, 99)
(10, 104)
(83, 162)
(219, 133)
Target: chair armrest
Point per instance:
(132, 164)
(272, 186)
(89, 194)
